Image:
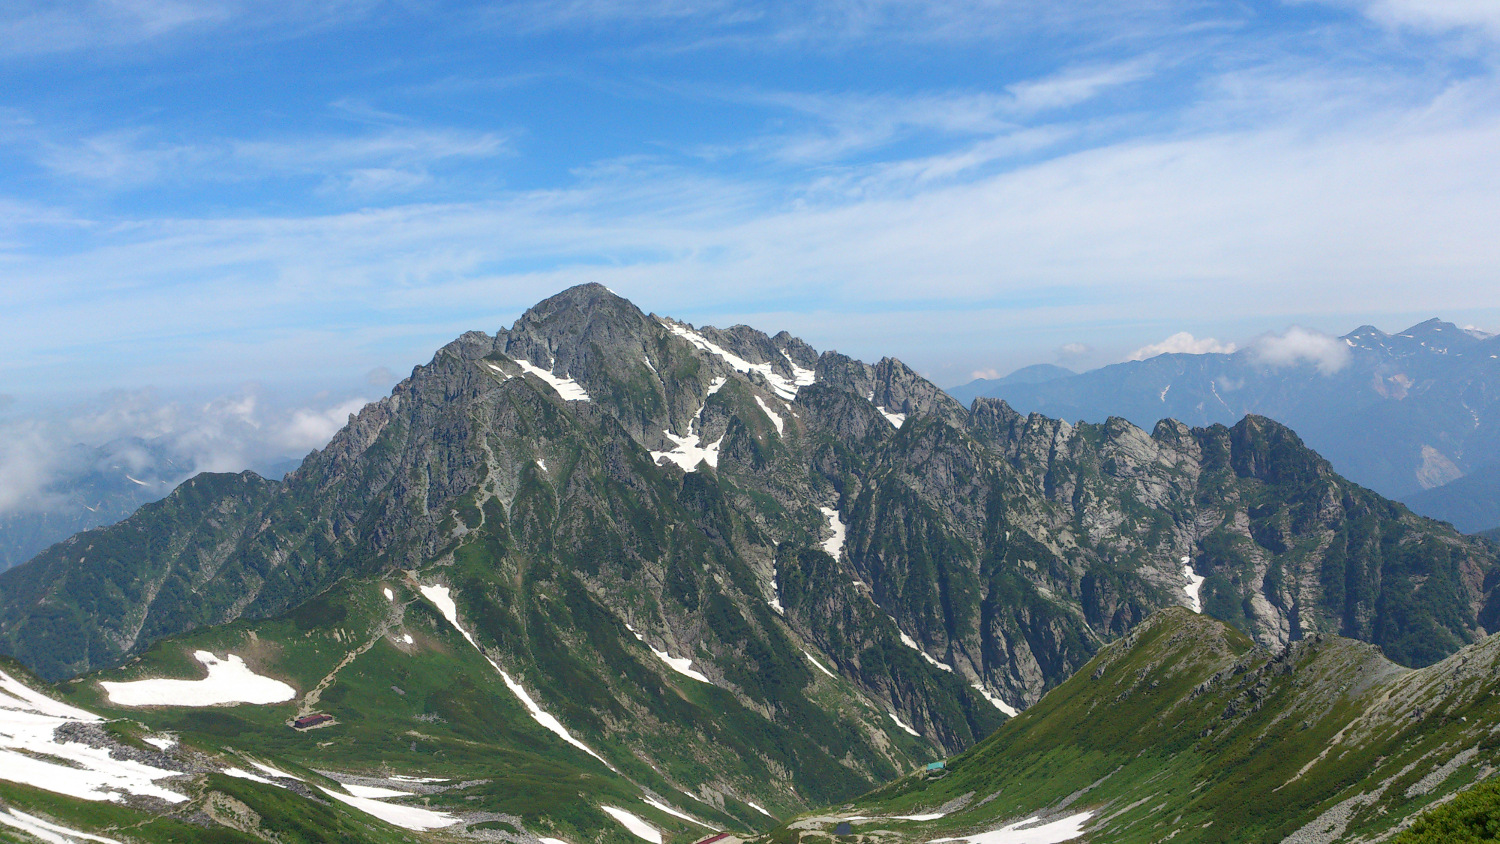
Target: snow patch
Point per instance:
(687, 452)
(566, 387)
(30, 753)
(406, 817)
(406, 637)
(903, 725)
(683, 666)
(929, 817)
(373, 792)
(894, 418)
(757, 808)
(650, 367)
(229, 681)
(834, 545)
(781, 386)
(275, 772)
(246, 775)
(443, 600)
(46, 831)
(638, 827)
(995, 699)
(674, 813)
(1194, 585)
(389, 595)
(1028, 831)
(819, 665)
(163, 742)
(772, 415)
(541, 464)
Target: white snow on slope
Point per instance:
(1027, 832)
(928, 817)
(640, 828)
(689, 451)
(903, 725)
(161, 742)
(771, 415)
(781, 386)
(683, 666)
(443, 600)
(674, 813)
(757, 808)
(276, 772)
(495, 368)
(246, 775)
(406, 817)
(834, 545)
(995, 699)
(389, 595)
(912, 643)
(228, 681)
(552, 841)
(894, 418)
(818, 665)
(48, 832)
(800, 377)
(29, 753)
(373, 792)
(1195, 583)
(566, 387)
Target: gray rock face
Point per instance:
(1005, 549)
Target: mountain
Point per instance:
(1398, 413)
(1470, 503)
(93, 486)
(90, 487)
(1039, 373)
(1186, 731)
(605, 556)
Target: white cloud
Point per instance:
(1182, 343)
(987, 374)
(139, 429)
(1433, 15)
(1298, 345)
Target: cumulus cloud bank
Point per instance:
(167, 440)
(1299, 345)
(1182, 343)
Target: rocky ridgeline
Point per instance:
(687, 476)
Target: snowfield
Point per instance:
(896, 419)
(407, 817)
(443, 600)
(1027, 832)
(30, 755)
(49, 832)
(674, 813)
(1194, 585)
(780, 385)
(638, 827)
(834, 545)
(995, 699)
(903, 725)
(566, 387)
(688, 451)
(682, 665)
(818, 665)
(771, 415)
(229, 681)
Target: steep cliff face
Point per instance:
(744, 498)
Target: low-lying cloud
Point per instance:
(1298, 346)
(1183, 343)
(167, 441)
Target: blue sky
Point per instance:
(207, 198)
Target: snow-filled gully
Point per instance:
(443, 600)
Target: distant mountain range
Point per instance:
(1404, 414)
(93, 486)
(606, 576)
